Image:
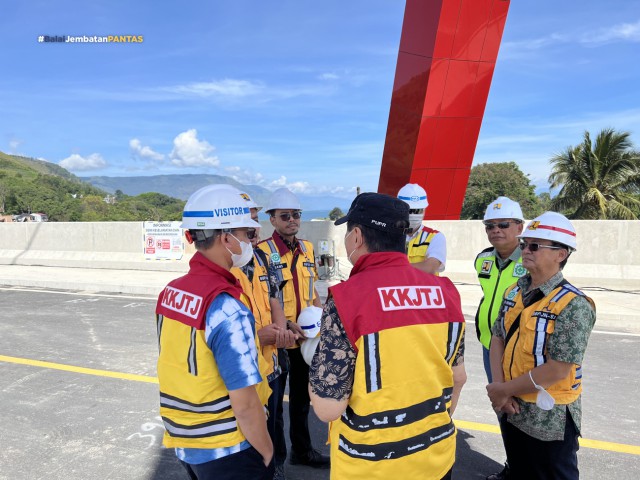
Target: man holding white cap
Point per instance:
(538, 344)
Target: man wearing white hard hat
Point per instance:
(261, 286)
(427, 251)
(537, 348)
(498, 267)
(212, 379)
(382, 370)
(426, 247)
(293, 261)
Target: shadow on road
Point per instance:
(469, 463)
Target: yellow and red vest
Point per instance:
(528, 331)
(494, 281)
(258, 292)
(419, 244)
(194, 402)
(405, 326)
(297, 268)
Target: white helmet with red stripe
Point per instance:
(554, 227)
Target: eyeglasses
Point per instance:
(285, 217)
(249, 232)
(500, 225)
(534, 247)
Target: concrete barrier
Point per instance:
(606, 253)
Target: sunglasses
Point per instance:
(251, 233)
(285, 217)
(534, 247)
(416, 211)
(500, 225)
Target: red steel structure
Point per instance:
(448, 50)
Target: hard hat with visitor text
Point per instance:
(217, 207)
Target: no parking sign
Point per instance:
(163, 241)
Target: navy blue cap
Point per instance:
(378, 211)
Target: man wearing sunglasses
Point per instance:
(537, 346)
(212, 379)
(498, 267)
(293, 262)
(260, 284)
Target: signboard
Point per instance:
(163, 241)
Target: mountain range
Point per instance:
(181, 186)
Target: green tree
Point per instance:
(335, 214)
(488, 181)
(598, 180)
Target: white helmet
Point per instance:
(217, 207)
(309, 321)
(554, 227)
(250, 204)
(503, 207)
(414, 195)
(283, 199)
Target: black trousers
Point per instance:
(243, 465)
(275, 424)
(533, 459)
(298, 403)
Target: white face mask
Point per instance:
(415, 221)
(544, 400)
(245, 255)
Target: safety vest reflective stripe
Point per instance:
(455, 330)
(397, 417)
(208, 429)
(215, 406)
(540, 341)
(191, 357)
(372, 362)
(159, 320)
(402, 448)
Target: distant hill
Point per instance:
(31, 167)
(181, 186)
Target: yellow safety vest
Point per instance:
(494, 282)
(528, 331)
(298, 291)
(194, 402)
(418, 245)
(258, 292)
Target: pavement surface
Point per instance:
(79, 397)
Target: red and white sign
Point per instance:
(163, 241)
(416, 297)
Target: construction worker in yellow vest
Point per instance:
(427, 251)
(262, 287)
(537, 347)
(293, 262)
(382, 369)
(212, 378)
(498, 267)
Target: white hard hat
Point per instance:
(283, 199)
(309, 321)
(251, 203)
(552, 226)
(503, 207)
(217, 207)
(414, 195)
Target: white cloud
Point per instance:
(188, 151)
(143, 152)
(77, 162)
(14, 143)
(244, 176)
(222, 88)
(629, 32)
(329, 76)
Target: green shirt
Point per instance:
(567, 344)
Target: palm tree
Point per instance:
(599, 181)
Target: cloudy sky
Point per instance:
(290, 92)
